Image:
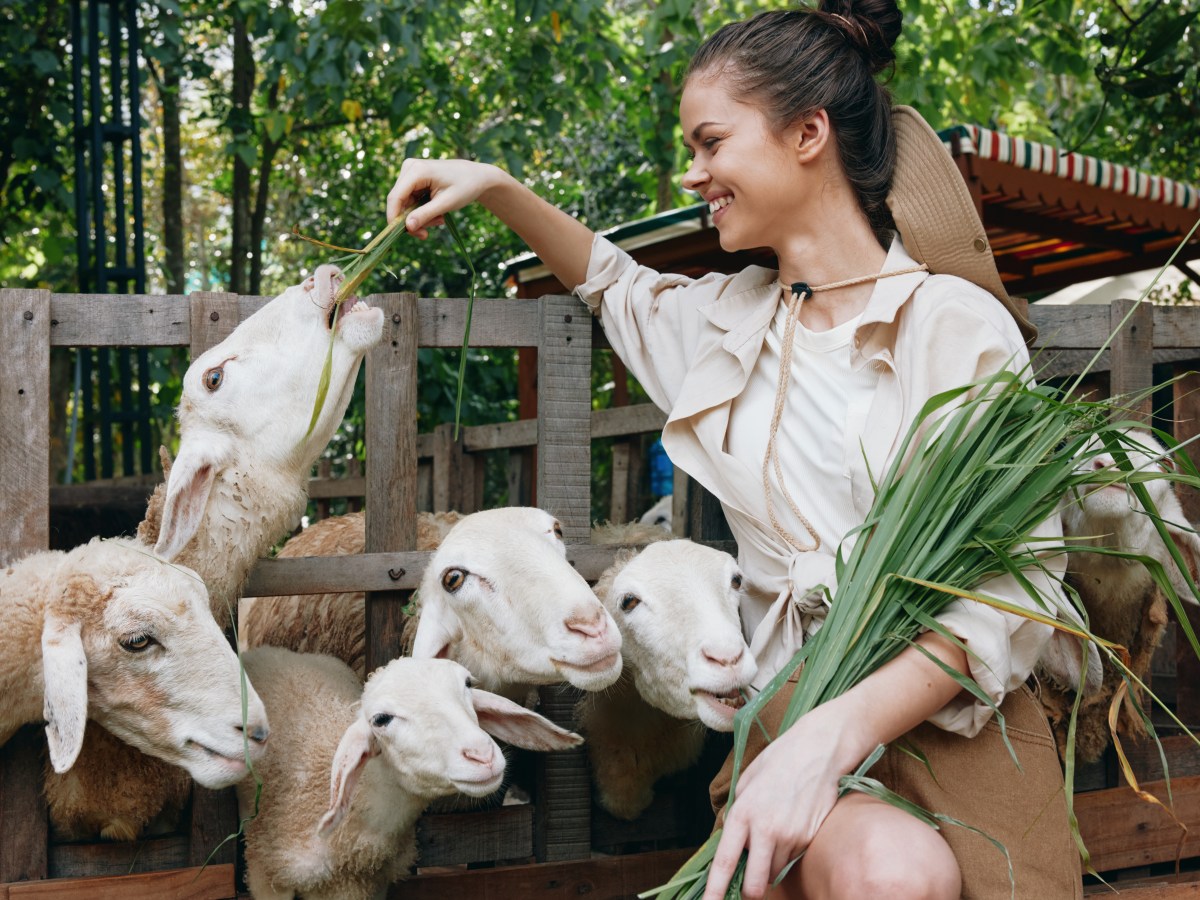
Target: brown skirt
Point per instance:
(977, 784)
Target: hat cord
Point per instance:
(798, 292)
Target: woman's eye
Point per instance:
(453, 579)
(213, 378)
(629, 601)
(137, 643)
(381, 720)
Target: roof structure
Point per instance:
(1053, 219)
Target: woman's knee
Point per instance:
(904, 877)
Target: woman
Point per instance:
(786, 390)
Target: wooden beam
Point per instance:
(211, 883)
(1121, 830)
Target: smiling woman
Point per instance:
(789, 392)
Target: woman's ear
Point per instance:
(810, 136)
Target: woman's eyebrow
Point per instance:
(696, 131)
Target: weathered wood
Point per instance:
(214, 819)
(213, 318)
(619, 483)
(494, 323)
(392, 471)
(563, 791)
(1121, 830)
(212, 883)
(564, 476)
(611, 878)
(500, 435)
(24, 423)
(448, 469)
(23, 823)
(24, 528)
(120, 320)
(620, 421)
(1170, 887)
(1132, 358)
(70, 860)
(1186, 391)
(1070, 327)
(451, 839)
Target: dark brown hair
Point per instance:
(792, 63)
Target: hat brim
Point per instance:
(936, 216)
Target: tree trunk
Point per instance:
(242, 128)
(172, 190)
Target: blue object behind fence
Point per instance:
(662, 472)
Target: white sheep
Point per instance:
(686, 661)
(238, 484)
(660, 514)
(351, 768)
(498, 595)
(1123, 603)
(112, 632)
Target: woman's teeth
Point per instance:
(719, 203)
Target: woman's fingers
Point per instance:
(725, 860)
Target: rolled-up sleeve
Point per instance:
(650, 318)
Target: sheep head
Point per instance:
(427, 722)
(676, 604)
(500, 597)
(129, 641)
(252, 395)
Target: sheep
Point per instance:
(1123, 603)
(415, 732)
(660, 514)
(113, 632)
(237, 485)
(686, 666)
(498, 595)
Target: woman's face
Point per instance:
(740, 166)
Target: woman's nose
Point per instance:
(694, 177)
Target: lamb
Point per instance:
(686, 665)
(238, 484)
(498, 595)
(115, 633)
(417, 734)
(1123, 603)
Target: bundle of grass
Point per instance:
(982, 468)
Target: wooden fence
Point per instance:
(557, 834)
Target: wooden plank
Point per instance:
(120, 320)
(449, 839)
(1187, 425)
(500, 435)
(24, 528)
(392, 471)
(447, 469)
(213, 317)
(609, 878)
(618, 510)
(23, 822)
(24, 423)
(1132, 358)
(1121, 830)
(627, 420)
(212, 883)
(84, 860)
(494, 322)
(564, 415)
(1176, 326)
(336, 488)
(214, 818)
(563, 794)
(1168, 887)
(1070, 327)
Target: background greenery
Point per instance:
(297, 114)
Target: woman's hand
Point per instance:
(442, 186)
(783, 797)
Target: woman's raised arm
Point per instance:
(561, 242)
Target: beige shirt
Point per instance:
(693, 344)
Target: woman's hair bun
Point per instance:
(871, 25)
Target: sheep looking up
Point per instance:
(238, 484)
(1123, 603)
(498, 596)
(344, 781)
(686, 664)
(110, 631)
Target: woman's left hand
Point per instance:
(782, 798)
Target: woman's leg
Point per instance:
(868, 848)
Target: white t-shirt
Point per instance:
(824, 414)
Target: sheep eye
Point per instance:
(137, 643)
(213, 378)
(453, 579)
(557, 530)
(736, 582)
(381, 720)
(629, 601)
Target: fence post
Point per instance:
(563, 828)
(391, 493)
(1132, 372)
(24, 528)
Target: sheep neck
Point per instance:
(22, 612)
(381, 812)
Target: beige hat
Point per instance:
(936, 216)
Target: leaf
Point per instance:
(1166, 37)
(352, 110)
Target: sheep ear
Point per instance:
(188, 487)
(521, 727)
(356, 747)
(437, 629)
(1189, 548)
(64, 679)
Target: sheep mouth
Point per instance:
(237, 761)
(728, 703)
(339, 311)
(601, 665)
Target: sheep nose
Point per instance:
(481, 755)
(257, 732)
(1099, 463)
(589, 626)
(723, 657)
